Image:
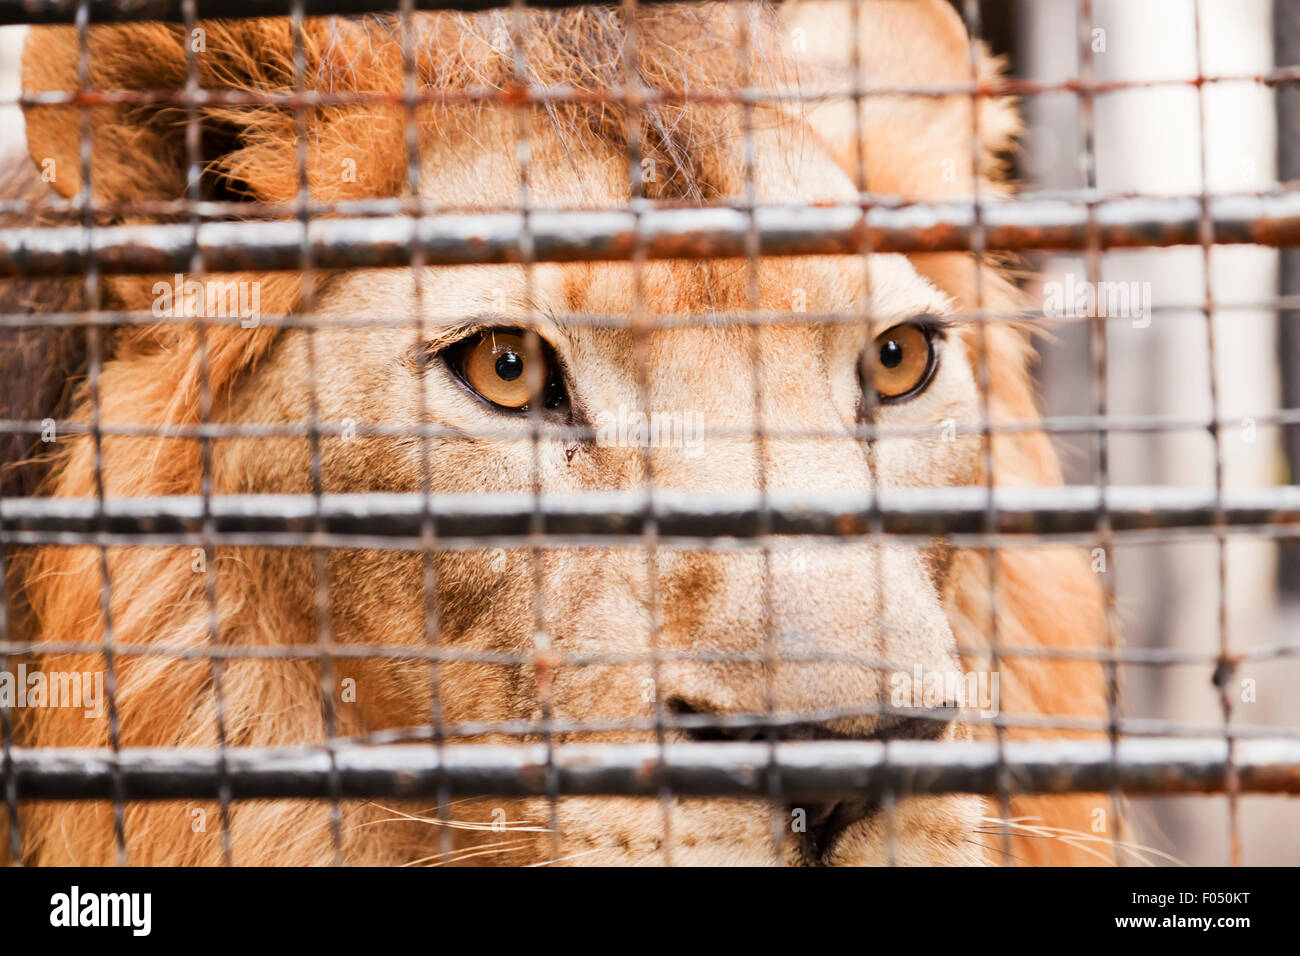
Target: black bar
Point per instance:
(901, 511)
(720, 232)
(332, 910)
(806, 771)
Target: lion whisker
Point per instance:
(997, 849)
(572, 856)
(505, 846)
(1076, 839)
(514, 826)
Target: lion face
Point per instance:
(738, 631)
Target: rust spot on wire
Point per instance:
(1224, 669)
(545, 664)
(515, 95)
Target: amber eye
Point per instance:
(508, 370)
(903, 361)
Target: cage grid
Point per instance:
(1136, 755)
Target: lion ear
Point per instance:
(918, 146)
(54, 132)
(247, 150)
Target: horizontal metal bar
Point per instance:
(902, 511)
(121, 11)
(569, 236)
(1049, 424)
(72, 211)
(1185, 311)
(804, 771)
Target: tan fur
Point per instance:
(907, 604)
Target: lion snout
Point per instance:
(832, 650)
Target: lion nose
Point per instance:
(815, 826)
(700, 722)
(824, 822)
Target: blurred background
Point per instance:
(1149, 139)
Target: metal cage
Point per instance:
(1143, 756)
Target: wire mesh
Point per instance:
(673, 742)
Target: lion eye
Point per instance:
(495, 367)
(903, 362)
(506, 369)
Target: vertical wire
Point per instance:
(870, 405)
(641, 327)
(1097, 351)
(744, 12)
(545, 658)
(1226, 665)
(95, 364)
(971, 14)
(320, 566)
(193, 162)
(7, 772)
(428, 527)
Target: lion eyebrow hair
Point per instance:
(933, 322)
(436, 333)
(439, 333)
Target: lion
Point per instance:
(487, 354)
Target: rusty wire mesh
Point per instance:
(1136, 755)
